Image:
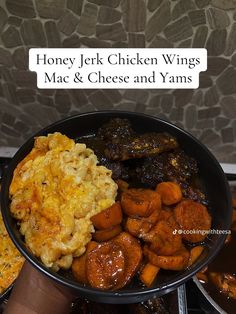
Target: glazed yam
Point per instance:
(79, 264)
(195, 253)
(164, 240)
(148, 274)
(105, 266)
(138, 227)
(108, 218)
(178, 261)
(107, 234)
(112, 264)
(166, 214)
(192, 218)
(140, 202)
(170, 192)
(133, 256)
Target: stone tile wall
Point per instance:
(208, 112)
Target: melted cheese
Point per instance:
(54, 192)
(11, 260)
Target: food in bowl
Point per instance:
(218, 279)
(147, 241)
(11, 260)
(135, 231)
(55, 190)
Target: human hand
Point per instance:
(34, 292)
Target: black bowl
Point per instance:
(214, 184)
(5, 294)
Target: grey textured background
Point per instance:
(209, 112)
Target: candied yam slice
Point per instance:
(166, 214)
(138, 227)
(133, 256)
(148, 274)
(194, 220)
(170, 192)
(195, 253)
(140, 202)
(178, 261)
(79, 264)
(105, 265)
(108, 218)
(107, 234)
(164, 240)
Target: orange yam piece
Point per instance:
(140, 202)
(133, 256)
(148, 274)
(194, 254)
(178, 261)
(79, 264)
(192, 216)
(152, 219)
(112, 264)
(166, 214)
(138, 227)
(107, 234)
(164, 240)
(105, 265)
(108, 218)
(170, 192)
